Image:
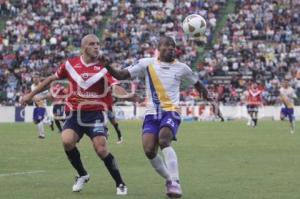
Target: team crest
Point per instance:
(85, 75)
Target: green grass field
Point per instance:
(217, 161)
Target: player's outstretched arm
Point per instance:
(116, 73)
(41, 87)
(48, 96)
(202, 90)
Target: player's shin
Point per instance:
(112, 166)
(41, 130)
(160, 167)
(74, 158)
(292, 126)
(171, 162)
(116, 126)
(57, 123)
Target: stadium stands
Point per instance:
(259, 42)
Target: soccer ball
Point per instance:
(194, 25)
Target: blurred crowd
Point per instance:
(135, 26)
(40, 34)
(260, 41)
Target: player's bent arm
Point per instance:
(118, 74)
(48, 96)
(121, 93)
(41, 87)
(202, 89)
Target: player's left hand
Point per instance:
(26, 99)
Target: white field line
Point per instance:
(21, 173)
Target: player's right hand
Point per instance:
(26, 99)
(104, 60)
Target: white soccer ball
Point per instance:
(194, 25)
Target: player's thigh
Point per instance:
(165, 136)
(168, 128)
(69, 138)
(100, 145)
(150, 143)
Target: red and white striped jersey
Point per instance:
(254, 97)
(89, 85)
(58, 93)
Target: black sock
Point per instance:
(255, 121)
(57, 122)
(112, 167)
(74, 157)
(118, 130)
(51, 125)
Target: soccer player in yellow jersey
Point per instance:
(163, 77)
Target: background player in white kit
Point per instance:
(40, 114)
(162, 119)
(287, 96)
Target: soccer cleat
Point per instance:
(41, 136)
(120, 140)
(173, 189)
(121, 190)
(79, 182)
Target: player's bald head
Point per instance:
(88, 38)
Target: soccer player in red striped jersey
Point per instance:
(254, 100)
(89, 84)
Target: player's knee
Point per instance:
(150, 154)
(68, 145)
(101, 151)
(164, 142)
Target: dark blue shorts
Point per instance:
(58, 110)
(110, 115)
(90, 123)
(153, 123)
(288, 112)
(252, 108)
(38, 114)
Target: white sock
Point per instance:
(160, 167)
(41, 130)
(293, 125)
(171, 162)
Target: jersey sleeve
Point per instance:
(61, 72)
(138, 68)
(189, 75)
(293, 93)
(111, 80)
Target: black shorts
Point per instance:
(252, 108)
(59, 110)
(90, 123)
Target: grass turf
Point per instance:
(217, 161)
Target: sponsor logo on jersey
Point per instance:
(97, 68)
